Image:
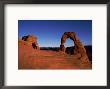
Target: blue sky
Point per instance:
(49, 32)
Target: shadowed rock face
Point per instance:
(31, 40)
(79, 49)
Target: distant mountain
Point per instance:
(50, 48)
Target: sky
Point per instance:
(49, 32)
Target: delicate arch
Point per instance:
(79, 48)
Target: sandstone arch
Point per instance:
(79, 48)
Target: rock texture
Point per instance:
(79, 49)
(31, 40)
(29, 57)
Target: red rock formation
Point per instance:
(79, 50)
(31, 40)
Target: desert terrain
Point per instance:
(32, 57)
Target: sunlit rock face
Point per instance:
(31, 40)
(78, 50)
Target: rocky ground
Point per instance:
(30, 58)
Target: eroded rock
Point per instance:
(79, 47)
(31, 40)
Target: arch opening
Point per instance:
(78, 46)
(68, 50)
(69, 46)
